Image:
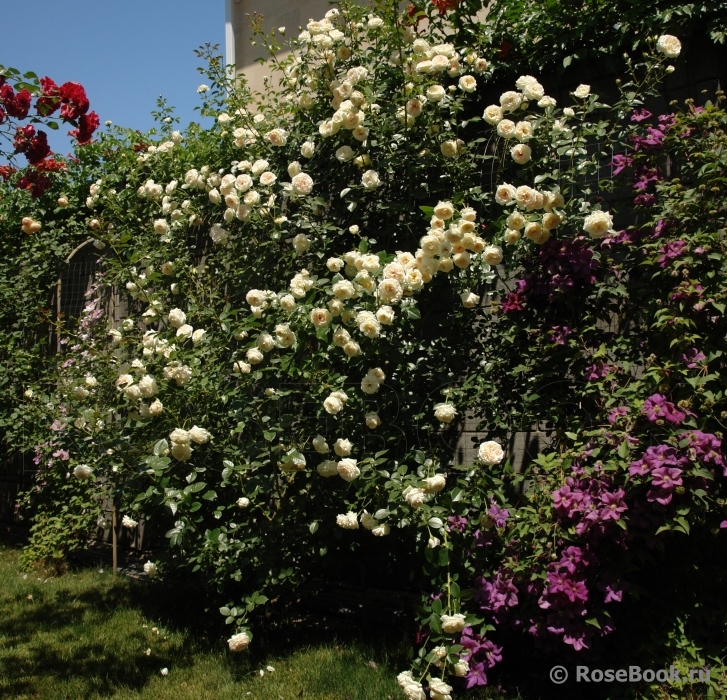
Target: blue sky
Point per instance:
(125, 53)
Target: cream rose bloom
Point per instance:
(82, 472)
(348, 469)
(181, 451)
(490, 453)
(598, 224)
(582, 91)
(510, 101)
(435, 93)
(327, 468)
(320, 445)
(511, 236)
(370, 180)
(254, 356)
(372, 420)
(493, 115)
(320, 318)
(342, 447)
(469, 299)
(381, 530)
(521, 153)
(434, 484)
(669, 46)
(333, 405)
(177, 318)
(445, 412)
(506, 129)
(415, 497)
(302, 184)
(492, 255)
(199, 435)
(238, 642)
(504, 194)
(451, 624)
(347, 521)
(467, 83)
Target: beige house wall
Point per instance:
(290, 14)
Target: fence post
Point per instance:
(113, 537)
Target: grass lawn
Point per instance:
(88, 634)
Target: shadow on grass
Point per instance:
(93, 628)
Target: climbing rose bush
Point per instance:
(323, 284)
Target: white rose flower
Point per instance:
(80, 393)
(344, 290)
(436, 93)
(265, 342)
(198, 335)
(451, 624)
(352, 348)
(161, 226)
(241, 367)
(370, 180)
(510, 101)
(126, 521)
(505, 194)
(415, 497)
(328, 468)
(469, 299)
(348, 470)
(439, 690)
(435, 483)
(598, 224)
(82, 472)
(259, 166)
(181, 451)
(156, 408)
(148, 385)
(372, 420)
(333, 405)
(381, 530)
(511, 236)
(301, 243)
(202, 89)
(302, 183)
(493, 115)
(449, 149)
(433, 542)
(342, 447)
(461, 668)
(445, 412)
(467, 83)
(254, 356)
(185, 331)
(582, 91)
(444, 210)
(524, 131)
(177, 318)
(490, 453)
(492, 255)
(238, 642)
(320, 445)
(287, 302)
(150, 569)
(669, 45)
(375, 22)
(528, 198)
(277, 137)
(267, 178)
(521, 154)
(546, 102)
(385, 315)
(347, 521)
(506, 129)
(308, 149)
(568, 112)
(199, 435)
(133, 392)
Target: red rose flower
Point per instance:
(50, 166)
(75, 102)
(35, 182)
(6, 171)
(50, 101)
(16, 105)
(87, 124)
